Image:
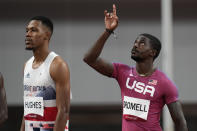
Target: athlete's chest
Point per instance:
(139, 95)
(38, 82)
(37, 77)
(139, 87)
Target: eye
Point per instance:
(135, 44)
(34, 30)
(142, 44)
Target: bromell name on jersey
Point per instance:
(140, 87)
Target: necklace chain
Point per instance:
(146, 74)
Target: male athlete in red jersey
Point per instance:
(144, 89)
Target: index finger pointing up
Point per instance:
(114, 9)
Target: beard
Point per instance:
(29, 48)
(136, 58)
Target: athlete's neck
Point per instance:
(145, 68)
(40, 55)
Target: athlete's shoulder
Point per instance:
(28, 63)
(164, 79)
(59, 60)
(59, 63)
(29, 60)
(59, 69)
(161, 74)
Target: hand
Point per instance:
(111, 19)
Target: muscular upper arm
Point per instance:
(60, 74)
(177, 115)
(102, 66)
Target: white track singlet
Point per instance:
(40, 96)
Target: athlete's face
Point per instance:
(142, 49)
(36, 35)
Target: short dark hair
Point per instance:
(45, 21)
(155, 43)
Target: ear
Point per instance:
(153, 52)
(48, 35)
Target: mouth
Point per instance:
(28, 41)
(133, 51)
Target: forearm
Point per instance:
(96, 50)
(3, 115)
(3, 107)
(23, 125)
(178, 116)
(61, 121)
(181, 125)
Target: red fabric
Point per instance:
(49, 115)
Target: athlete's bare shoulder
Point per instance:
(58, 68)
(59, 61)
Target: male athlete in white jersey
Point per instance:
(144, 89)
(46, 81)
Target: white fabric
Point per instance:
(136, 107)
(34, 105)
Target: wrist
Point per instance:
(109, 31)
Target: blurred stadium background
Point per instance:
(96, 103)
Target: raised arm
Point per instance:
(92, 56)
(60, 73)
(3, 102)
(178, 116)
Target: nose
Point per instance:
(135, 45)
(27, 34)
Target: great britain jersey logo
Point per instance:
(140, 87)
(27, 75)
